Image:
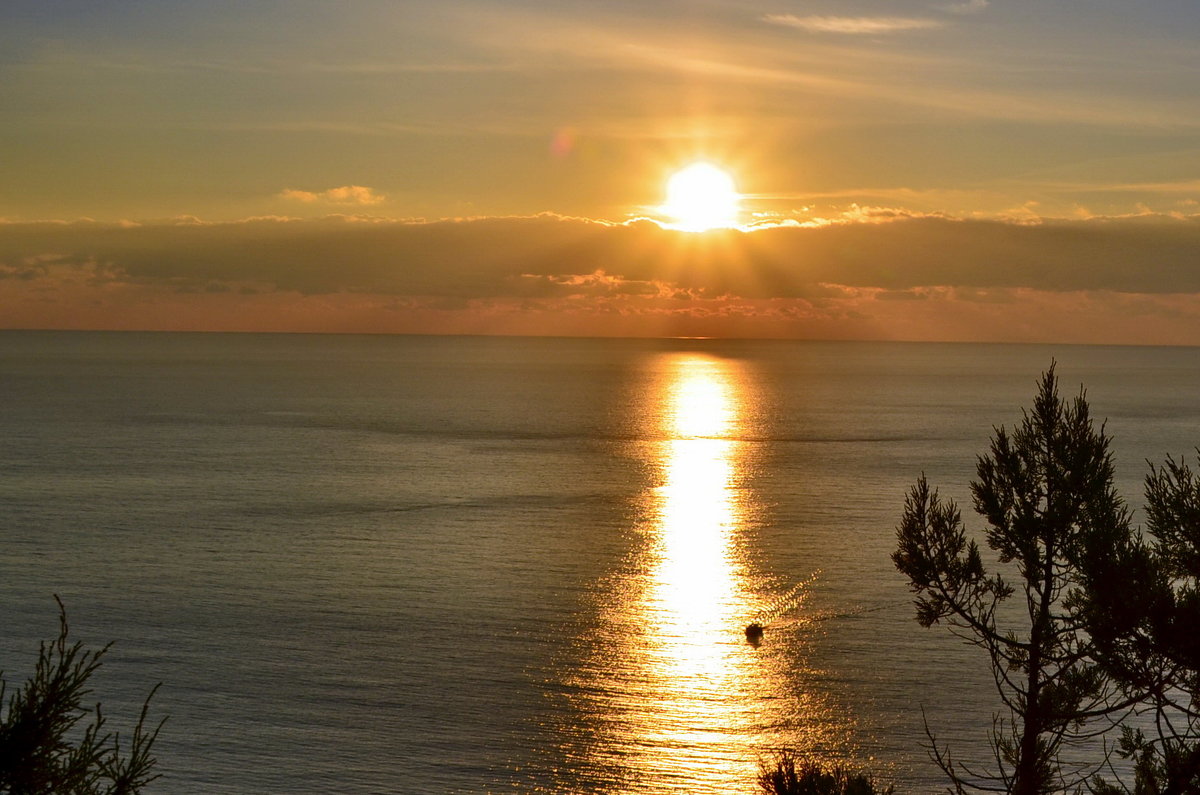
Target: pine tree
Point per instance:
(1044, 491)
(1141, 599)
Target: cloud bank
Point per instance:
(490, 257)
(875, 276)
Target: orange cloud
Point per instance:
(347, 194)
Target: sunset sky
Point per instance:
(1011, 170)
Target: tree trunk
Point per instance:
(1027, 780)
(1029, 772)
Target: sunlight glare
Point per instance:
(683, 702)
(706, 684)
(701, 197)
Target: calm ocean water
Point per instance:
(422, 564)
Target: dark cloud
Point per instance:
(550, 255)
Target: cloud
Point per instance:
(853, 25)
(870, 274)
(1173, 186)
(547, 254)
(968, 7)
(347, 194)
(823, 76)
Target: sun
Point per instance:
(701, 197)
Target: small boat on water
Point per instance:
(754, 632)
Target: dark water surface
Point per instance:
(423, 564)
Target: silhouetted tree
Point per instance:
(790, 774)
(1142, 604)
(44, 745)
(1044, 490)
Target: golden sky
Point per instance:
(978, 170)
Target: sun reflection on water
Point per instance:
(684, 703)
(695, 597)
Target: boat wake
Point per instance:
(788, 600)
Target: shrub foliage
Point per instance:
(51, 743)
(790, 774)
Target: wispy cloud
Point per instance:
(835, 65)
(347, 194)
(869, 26)
(968, 7)
(1179, 186)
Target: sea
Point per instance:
(421, 564)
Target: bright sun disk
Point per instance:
(701, 197)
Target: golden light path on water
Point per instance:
(695, 596)
(686, 704)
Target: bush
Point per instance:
(789, 774)
(45, 747)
